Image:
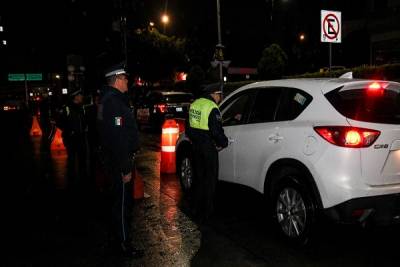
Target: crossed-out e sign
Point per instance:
(331, 26)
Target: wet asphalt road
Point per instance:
(44, 224)
(240, 234)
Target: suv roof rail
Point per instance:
(347, 75)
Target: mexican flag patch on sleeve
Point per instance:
(118, 121)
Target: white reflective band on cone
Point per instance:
(168, 148)
(170, 131)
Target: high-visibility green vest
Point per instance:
(199, 112)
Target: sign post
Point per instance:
(13, 77)
(331, 31)
(26, 93)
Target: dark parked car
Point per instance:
(153, 108)
(11, 105)
(13, 111)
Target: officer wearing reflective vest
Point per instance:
(208, 137)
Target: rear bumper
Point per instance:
(381, 210)
(159, 118)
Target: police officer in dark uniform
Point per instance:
(71, 120)
(119, 140)
(208, 137)
(45, 121)
(92, 139)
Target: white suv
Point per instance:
(312, 145)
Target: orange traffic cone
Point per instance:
(57, 143)
(138, 185)
(169, 135)
(35, 130)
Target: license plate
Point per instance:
(179, 109)
(143, 113)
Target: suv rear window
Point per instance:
(360, 104)
(178, 98)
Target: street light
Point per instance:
(302, 37)
(165, 20)
(150, 28)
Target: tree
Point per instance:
(195, 79)
(159, 56)
(272, 63)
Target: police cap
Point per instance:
(118, 69)
(214, 88)
(76, 91)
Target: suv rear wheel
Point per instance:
(293, 206)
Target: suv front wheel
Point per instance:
(185, 170)
(293, 207)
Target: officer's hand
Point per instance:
(126, 178)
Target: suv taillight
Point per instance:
(348, 136)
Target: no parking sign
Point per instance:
(331, 23)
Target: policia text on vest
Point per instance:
(199, 113)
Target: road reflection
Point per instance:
(59, 162)
(51, 163)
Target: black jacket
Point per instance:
(118, 131)
(215, 135)
(71, 121)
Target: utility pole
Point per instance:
(219, 47)
(123, 29)
(124, 39)
(26, 92)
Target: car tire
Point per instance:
(185, 170)
(293, 207)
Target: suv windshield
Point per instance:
(379, 106)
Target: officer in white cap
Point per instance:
(119, 139)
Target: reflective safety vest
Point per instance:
(199, 112)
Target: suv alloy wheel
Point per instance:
(293, 207)
(185, 171)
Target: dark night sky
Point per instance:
(47, 30)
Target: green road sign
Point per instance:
(21, 77)
(34, 77)
(16, 77)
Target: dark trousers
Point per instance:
(76, 164)
(121, 203)
(205, 159)
(46, 128)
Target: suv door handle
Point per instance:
(275, 137)
(231, 140)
